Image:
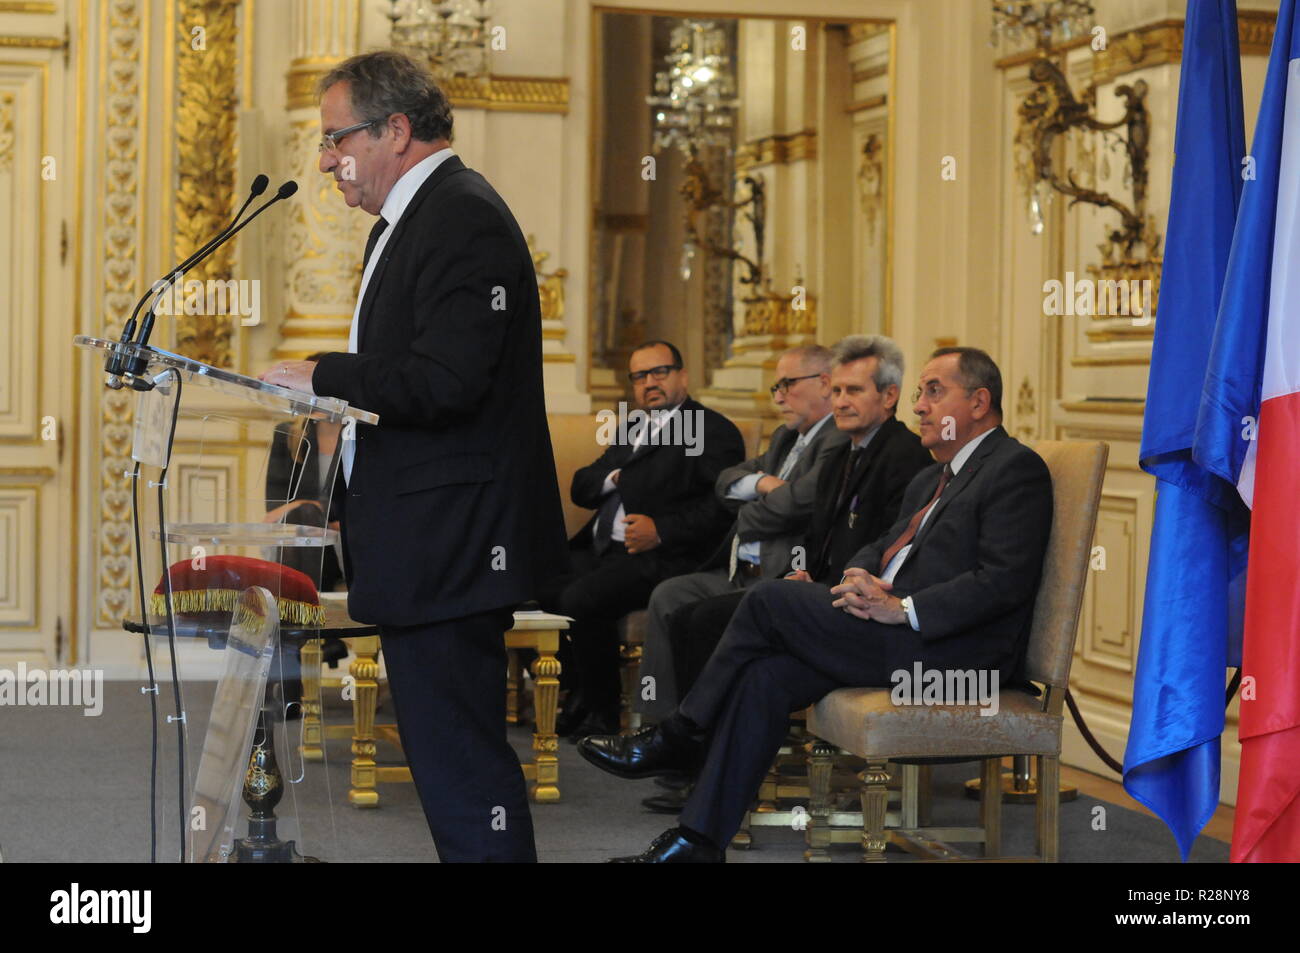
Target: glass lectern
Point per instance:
(238, 478)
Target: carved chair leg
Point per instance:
(1049, 808)
(875, 802)
(630, 676)
(821, 764)
(991, 805)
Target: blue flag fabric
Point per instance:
(1196, 571)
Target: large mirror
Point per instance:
(741, 193)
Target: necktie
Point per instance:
(600, 533)
(910, 533)
(846, 479)
(373, 240)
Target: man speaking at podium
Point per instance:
(452, 511)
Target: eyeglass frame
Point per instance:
(659, 372)
(783, 385)
(330, 141)
(916, 394)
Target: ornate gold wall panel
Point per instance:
(120, 127)
(205, 167)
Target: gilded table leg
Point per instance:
(546, 690)
(365, 687)
(309, 657)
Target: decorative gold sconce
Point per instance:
(1132, 250)
(701, 195)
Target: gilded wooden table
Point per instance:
(538, 631)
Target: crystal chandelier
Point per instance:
(695, 97)
(450, 36)
(1062, 19)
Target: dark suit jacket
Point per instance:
(892, 458)
(672, 488)
(778, 520)
(974, 568)
(453, 507)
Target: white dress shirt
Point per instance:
(896, 563)
(618, 532)
(746, 488)
(399, 196)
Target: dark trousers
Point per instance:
(785, 648)
(448, 682)
(596, 594)
(694, 632)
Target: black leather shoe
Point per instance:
(672, 847)
(668, 802)
(645, 754)
(596, 723)
(674, 782)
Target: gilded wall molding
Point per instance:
(777, 150)
(118, 243)
(500, 93)
(1154, 44)
(539, 94)
(6, 132)
(28, 6)
(206, 156)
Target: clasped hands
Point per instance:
(867, 597)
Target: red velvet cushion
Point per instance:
(215, 588)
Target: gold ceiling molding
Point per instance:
(28, 6)
(497, 93)
(206, 154)
(777, 150)
(117, 242)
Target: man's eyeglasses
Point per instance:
(934, 393)
(783, 385)
(658, 373)
(330, 141)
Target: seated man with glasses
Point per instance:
(656, 516)
(951, 586)
(771, 496)
(857, 488)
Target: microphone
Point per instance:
(138, 364)
(114, 364)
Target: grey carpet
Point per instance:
(73, 788)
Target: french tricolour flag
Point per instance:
(1248, 432)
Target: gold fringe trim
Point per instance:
(226, 600)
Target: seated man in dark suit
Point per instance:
(656, 516)
(858, 492)
(950, 585)
(772, 496)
